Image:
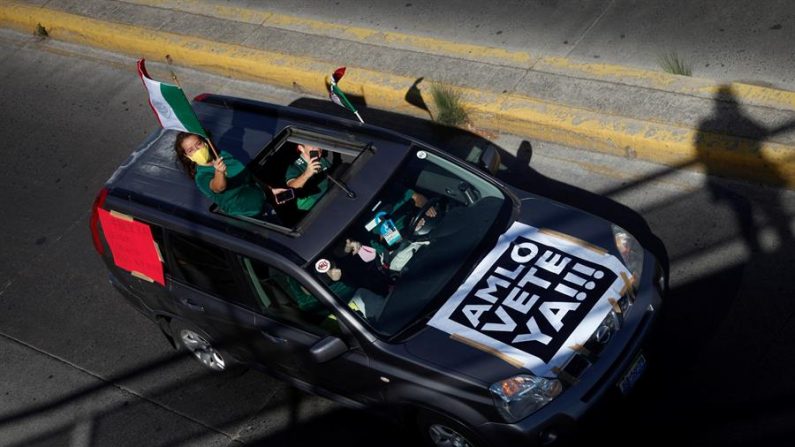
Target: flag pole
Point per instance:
(212, 148)
(337, 96)
(169, 62)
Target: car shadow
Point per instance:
(331, 426)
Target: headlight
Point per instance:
(609, 326)
(519, 396)
(631, 252)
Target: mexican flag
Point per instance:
(170, 105)
(337, 96)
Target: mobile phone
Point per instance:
(285, 196)
(314, 154)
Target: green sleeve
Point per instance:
(293, 171)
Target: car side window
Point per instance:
(204, 266)
(282, 297)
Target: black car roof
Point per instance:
(151, 176)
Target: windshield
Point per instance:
(422, 229)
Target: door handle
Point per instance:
(191, 305)
(273, 338)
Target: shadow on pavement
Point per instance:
(339, 426)
(723, 374)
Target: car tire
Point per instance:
(439, 431)
(202, 347)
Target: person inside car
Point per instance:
(308, 176)
(224, 180)
(360, 299)
(394, 216)
(361, 265)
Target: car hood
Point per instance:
(541, 212)
(481, 331)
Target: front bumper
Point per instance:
(558, 420)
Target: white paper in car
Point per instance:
(534, 296)
(389, 232)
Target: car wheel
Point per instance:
(201, 346)
(439, 431)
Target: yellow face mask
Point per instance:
(201, 156)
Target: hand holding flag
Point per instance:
(337, 96)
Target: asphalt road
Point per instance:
(82, 368)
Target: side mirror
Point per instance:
(327, 349)
(490, 160)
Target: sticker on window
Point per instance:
(322, 265)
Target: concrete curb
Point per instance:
(769, 162)
(705, 88)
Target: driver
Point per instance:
(392, 218)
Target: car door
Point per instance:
(208, 292)
(291, 321)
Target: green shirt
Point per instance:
(242, 197)
(308, 302)
(314, 188)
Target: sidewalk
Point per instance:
(732, 129)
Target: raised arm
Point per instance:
(218, 183)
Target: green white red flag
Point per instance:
(170, 105)
(337, 96)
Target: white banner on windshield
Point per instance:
(534, 296)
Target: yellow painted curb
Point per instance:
(679, 147)
(477, 53)
(683, 85)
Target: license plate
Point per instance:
(633, 374)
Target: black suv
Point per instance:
(485, 314)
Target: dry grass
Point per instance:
(41, 32)
(450, 109)
(674, 64)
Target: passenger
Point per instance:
(366, 302)
(361, 266)
(308, 176)
(305, 300)
(355, 292)
(224, 180)
(387, 264)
